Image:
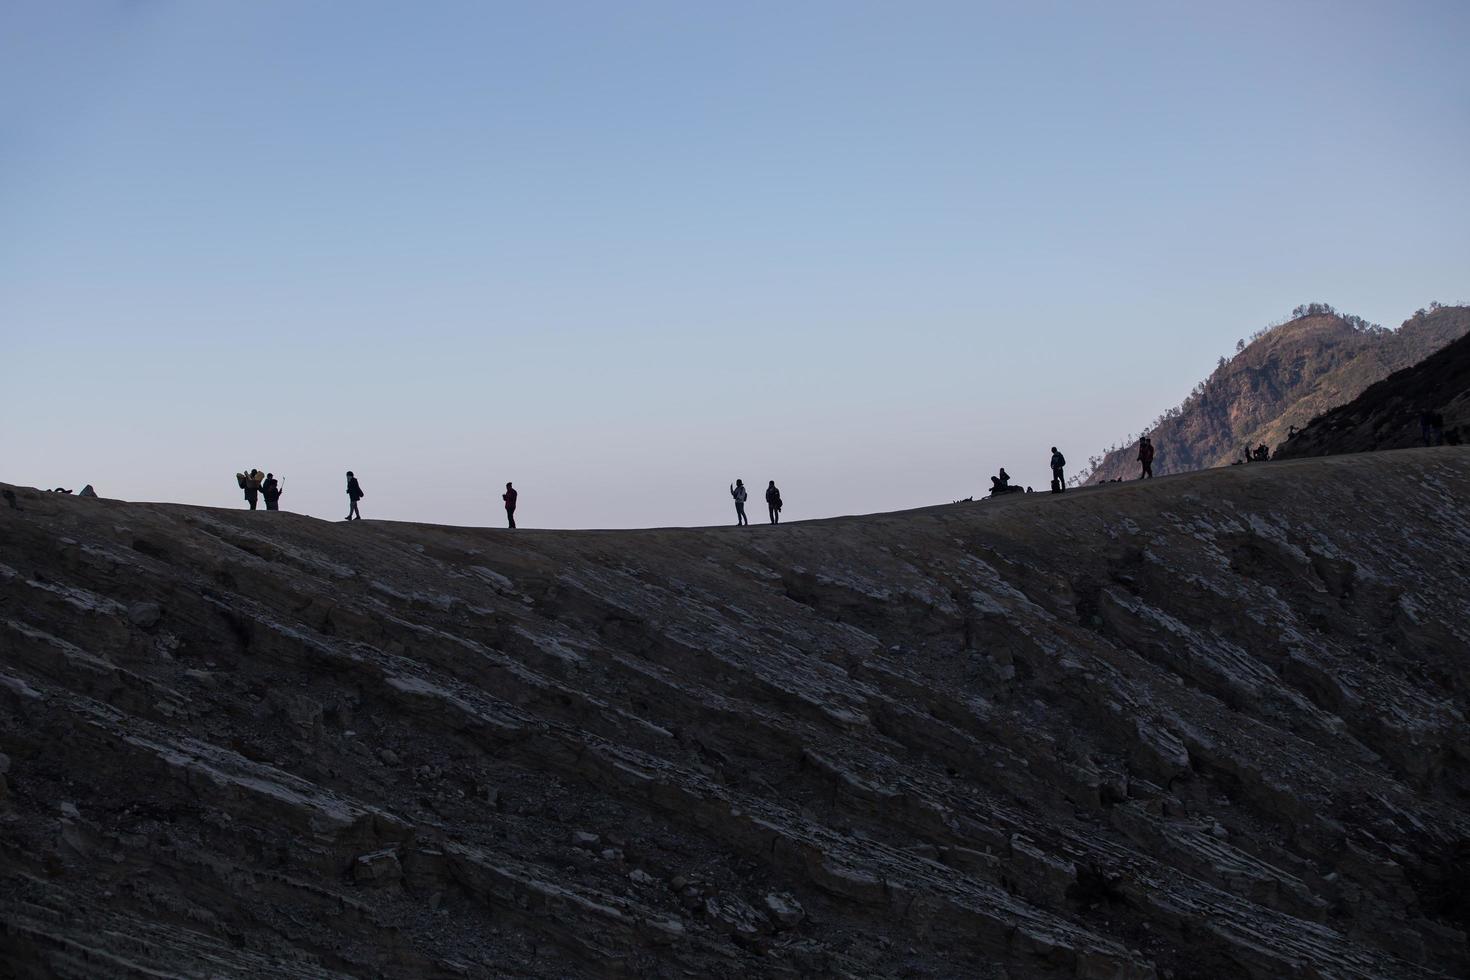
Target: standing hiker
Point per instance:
(354, 494)
(773, 502)
(738, 492)
(250, 482)
(1058, 461)
(510, 505)
(1146, 457)
(271, 491)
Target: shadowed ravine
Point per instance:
(1207, 726)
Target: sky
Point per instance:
(624, 253)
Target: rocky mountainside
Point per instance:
(1212, 725)
(1286, 376)
(1387, 415)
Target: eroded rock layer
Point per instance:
(1211, 725)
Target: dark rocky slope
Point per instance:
(1286, 376)
(1209, 726)
(1386, 416)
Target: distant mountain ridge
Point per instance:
(1286, 376)
(1388, 414)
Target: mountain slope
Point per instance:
(1213, 725)
(1284, 377)
(1386, 416)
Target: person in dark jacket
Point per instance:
(250, 483)
(738, 492)
(1058, 484)
(510, 505)
(773, 502)
(1146, 457)
(271, 491)
(354, 494)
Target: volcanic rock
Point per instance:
(1212, 725)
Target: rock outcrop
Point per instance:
(1208, 726)
(1286, 376)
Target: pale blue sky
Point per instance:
(623, 253)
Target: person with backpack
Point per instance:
(1146, 457)
(773, 502)
(738, 492)
(271, 491)
(250, 482)
(1058, 484)
(354, 494)
(510, 505)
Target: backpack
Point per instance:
(240, 479)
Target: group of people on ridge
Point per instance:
(773, 502)
(259, 485)
(1001, 482)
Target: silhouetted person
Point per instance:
(1146, 457)
(354, 494)
(1000, 483)
(510, 505)
(773, 502)
(1263, 453)
(738, 492)
(271, 491)
(250, 483)
(1058, 483)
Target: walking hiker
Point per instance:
(1146, 457)
(271, 491)
(773, 502)
(354, 494)
(1058, 484)
(250, 482)
(738, 492)
(510, 505)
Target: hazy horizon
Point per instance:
(625, 255)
